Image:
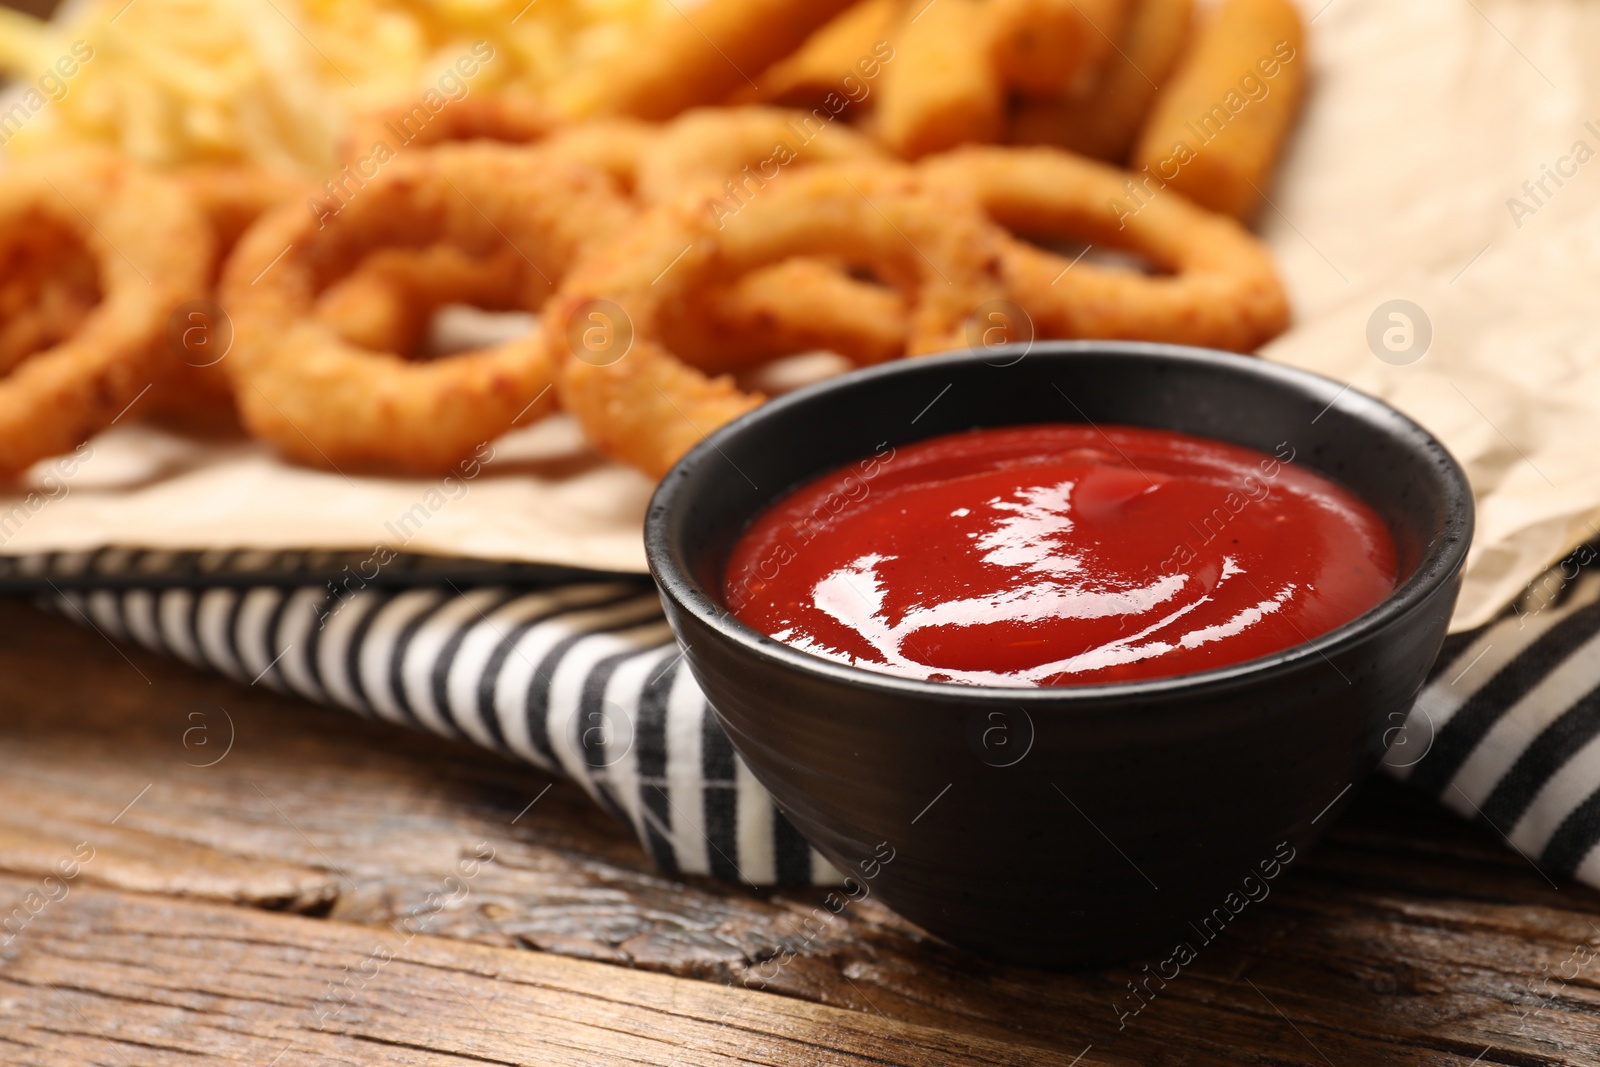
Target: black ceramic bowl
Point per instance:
(1066, 826)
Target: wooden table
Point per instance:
(323, 892)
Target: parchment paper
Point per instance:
(1427, 117)
(1424, 118)
(544, 497)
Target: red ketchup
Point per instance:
(1059, 555)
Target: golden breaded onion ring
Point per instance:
(151, 250)
(804, 304)
(639, 402)
(327, 401)
(508, 116)
(388, 301)
(48, 283)
(739, 150)
(194, 394)
(232, 196)
(730, 153)
(1221, 288)
(730, 156)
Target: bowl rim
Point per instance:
(1441, 560)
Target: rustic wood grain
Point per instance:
(147, 980)
(1407, 937)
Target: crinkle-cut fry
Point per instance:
(1104, 123)
(327, 402)
(855, 42)
(799, 305)
(646, 406)
(942, 89)
(693, 55)
(151, 249)
(1219, 124)
(1053, 47)
(1220, 288)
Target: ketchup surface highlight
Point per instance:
(1059, 555)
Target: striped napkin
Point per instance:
(580, 676)
(1507, 731)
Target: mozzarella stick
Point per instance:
(1104, 123)
(942, 89)
(852, 46)
(1052, 47)
(1217, 128)
(695, 55)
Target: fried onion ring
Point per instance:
(328, 402)
(509, 117)
(615, 146)
(740, 150)
(150, 251)
(799, 305)
(736, 150)
(48, 283)
(387, 303)
(793, 306)
(731, 155)
(647, 407)
(1222, 289)
(193, 393)
(232, 196)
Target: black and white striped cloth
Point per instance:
(582, 678)
(1507, 731)
(579, 678)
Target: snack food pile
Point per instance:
(678, 196)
